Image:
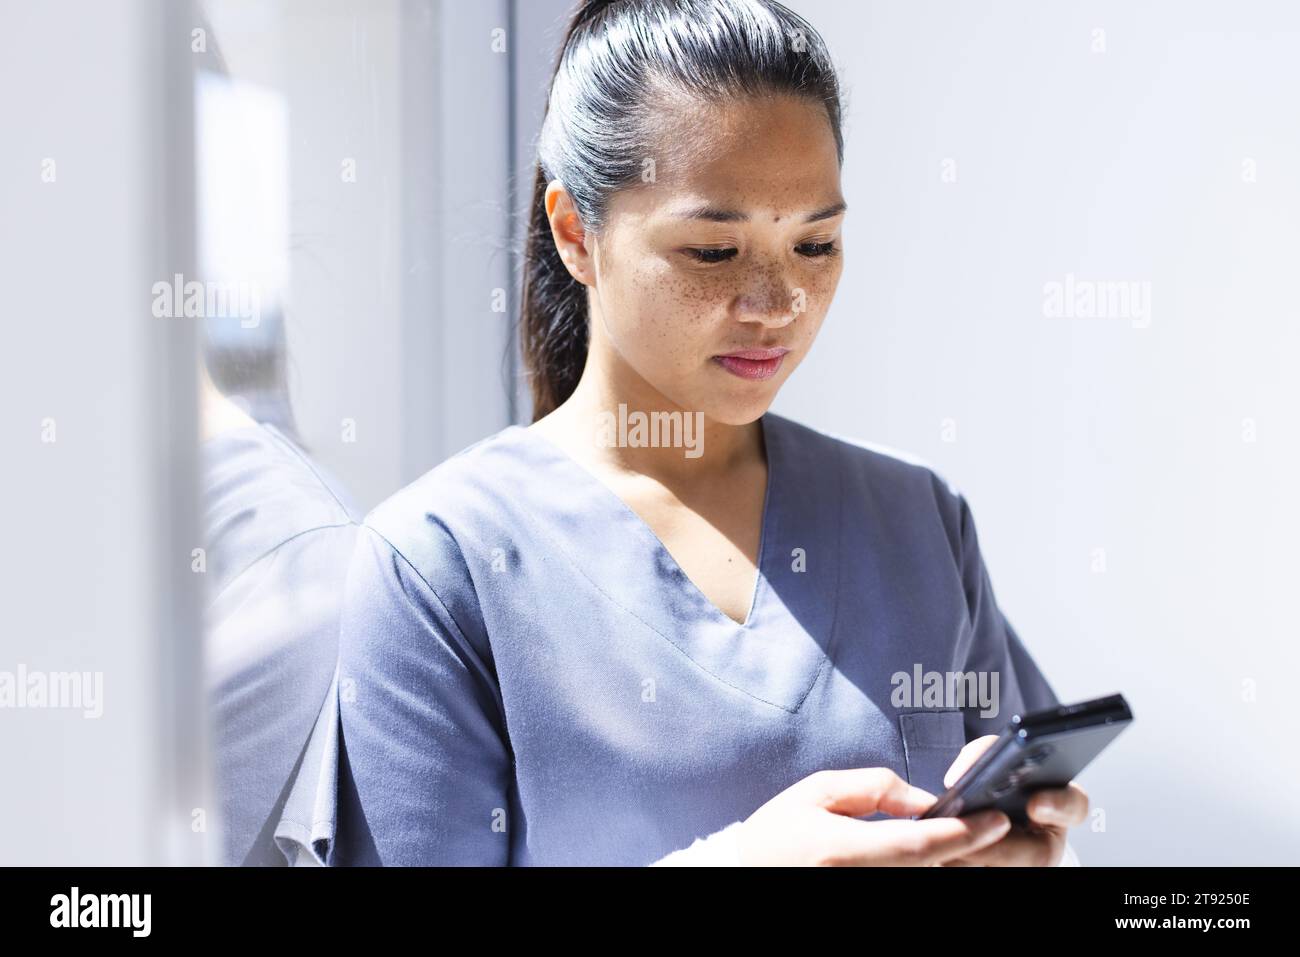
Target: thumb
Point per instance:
(966, 757)
(856, 792)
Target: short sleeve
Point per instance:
(425, 766)
(995, 648)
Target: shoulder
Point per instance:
(261, 492)
(901, 495)
(874, 468)
(455, 509)
(259, 466)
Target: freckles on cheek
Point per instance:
(822, 282)
(819, 290)
(674, 312)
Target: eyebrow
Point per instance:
(715, 215)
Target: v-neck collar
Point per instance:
(779, 650)
(695, 594)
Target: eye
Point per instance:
(812, 250)
(710, 255)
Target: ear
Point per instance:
(569, 234)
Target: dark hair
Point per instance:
(621, 59)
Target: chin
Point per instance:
(733, 403)
(739, 412)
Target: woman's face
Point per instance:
(734, 246)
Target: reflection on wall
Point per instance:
(278, 528)
(243, 200)
(278, 534)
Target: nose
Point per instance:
(769, 300)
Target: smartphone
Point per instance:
(1042, 749)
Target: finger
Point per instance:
(1058, 807)
(918, 843)
(860, 791)
(1020, 848)
(967, 756)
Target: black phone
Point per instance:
(1042, 749)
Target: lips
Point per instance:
(752, 363)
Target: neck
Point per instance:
(600, 409)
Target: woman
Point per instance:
(574, 644)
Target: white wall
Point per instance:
(1074, 434)
(96, 413)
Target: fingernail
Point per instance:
(1055, 815)
(993, 821)
(1049, 813)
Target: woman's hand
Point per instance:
(1052, 812)
(812, 822)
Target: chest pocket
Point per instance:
(931, 740)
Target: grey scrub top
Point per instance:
(527, 677)
(279, 533)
